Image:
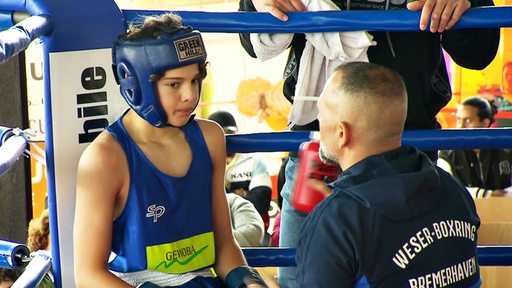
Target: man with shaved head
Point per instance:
(394, 219)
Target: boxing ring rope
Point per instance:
(10, 18)
(11, 148)
(17, 256)
(40, 264)
(13, 255)
(17, 38)
(442, 139)
(494, 255)
(13, 143)
(303, 22)
(332, 21)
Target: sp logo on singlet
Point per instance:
(190, 47)
(155, 212)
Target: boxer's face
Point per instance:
(178, 93)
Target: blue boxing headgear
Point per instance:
(136, 60)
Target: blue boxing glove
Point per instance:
(243, 276)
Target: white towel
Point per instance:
(322, 53)
(267, 46)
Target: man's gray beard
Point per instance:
(326, 156)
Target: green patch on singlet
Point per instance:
(182, 256)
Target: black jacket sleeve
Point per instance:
(247, 6)
(260, 196)
(472, 48)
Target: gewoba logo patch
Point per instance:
(190, 47)
(183, 255)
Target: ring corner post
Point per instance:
(77, 75)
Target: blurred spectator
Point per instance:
(39, 233)
(485, 172)
(38, 241)
(246, 174)
(246, 222)
(7, 277)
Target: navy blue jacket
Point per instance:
(393, 220)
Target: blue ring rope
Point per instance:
(17, 38)
(442, 139)
(326, 21)
(499, 255)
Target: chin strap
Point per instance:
(192, 117)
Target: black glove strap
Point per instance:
(242, 276)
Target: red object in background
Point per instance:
(305, 197)
(274, 237)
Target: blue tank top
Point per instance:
(166, 224)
